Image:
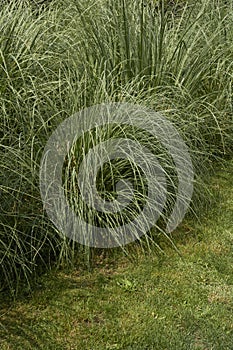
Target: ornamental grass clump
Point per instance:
(76, 54)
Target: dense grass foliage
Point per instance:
(74, 54)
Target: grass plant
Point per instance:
(75, 54)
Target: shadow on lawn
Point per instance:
(36, 324)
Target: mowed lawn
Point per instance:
(152, 301)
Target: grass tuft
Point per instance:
(71, 55)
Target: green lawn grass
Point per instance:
(154, 301)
